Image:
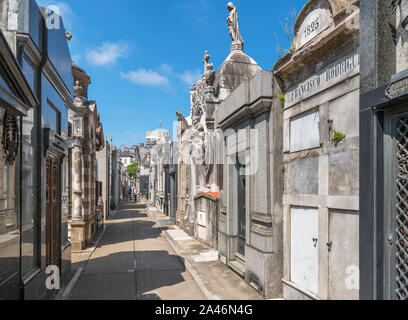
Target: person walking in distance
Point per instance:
(135, 193)
(130, 193)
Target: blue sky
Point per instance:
(144, 55)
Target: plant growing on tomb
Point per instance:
(282, 100)
(337, 137)
(316, 109)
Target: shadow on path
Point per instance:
(134, 261)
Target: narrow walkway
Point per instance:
(133, 261)
(216, 280)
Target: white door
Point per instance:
(304, 247)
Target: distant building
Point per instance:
(127, 161)
(158, 136)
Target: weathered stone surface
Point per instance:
(344, 173)
(344, 267)
(304, 131)
(303, 176)
(246, 94)
(89, 139)
(235, 69)
(320, 77)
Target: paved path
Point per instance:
(133, 261)
(217, 281)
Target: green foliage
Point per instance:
(132, 169)
(337, 137)
(282, 99)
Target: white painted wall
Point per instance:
(304, 254)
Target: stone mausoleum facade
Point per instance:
(88, 139)
(320, 81)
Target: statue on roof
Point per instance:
(233, 26)
(209, 72)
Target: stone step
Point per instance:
(238, 266)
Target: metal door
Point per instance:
(52, 208)
(241, 213)
(396, 238)
(173, 196)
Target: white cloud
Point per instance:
(107, 54)
(190, 77)
(145, 77)
(161, 77)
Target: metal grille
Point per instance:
(402, 210)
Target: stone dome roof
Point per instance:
(237, 67)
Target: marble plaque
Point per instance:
(314, 24)
(201, 218)
(304, 131)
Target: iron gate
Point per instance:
(401, 222)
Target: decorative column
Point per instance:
(78, 237)
(77, 181)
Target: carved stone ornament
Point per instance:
(11, 137)
(77, 123)
(183, 121)
(403, 6)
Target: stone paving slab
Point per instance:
(167, 285)
(217, 281)
(206, 256)
(115, 286)
(178, 235)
